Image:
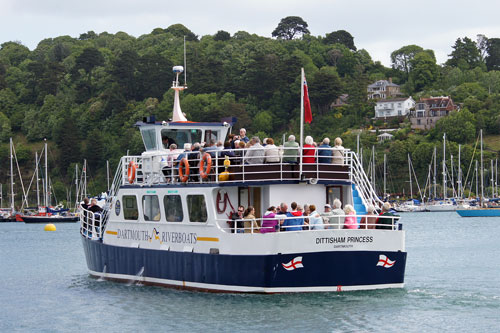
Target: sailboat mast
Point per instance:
(477, 181)
(373, 168)
(107, 172)
(491, 180)
(444, 166)
(482, 184)
(409, 172)
(451, 172)
(459, 181)
(84, 178)
(11, 178)
(37, 176)
(76, 185)
(435, 171)
(46, 177)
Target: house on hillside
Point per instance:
(429, 110)
(396, 107)
(383, 89)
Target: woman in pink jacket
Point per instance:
(351, 222)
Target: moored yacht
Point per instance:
(167, 224)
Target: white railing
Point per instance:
(336, 222)
(363, 184)
(152, 169)
(91, 224)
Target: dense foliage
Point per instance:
(84, 94)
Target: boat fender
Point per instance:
(131, 171)
(208, 160)
(184, 163)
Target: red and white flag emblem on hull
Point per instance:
(385, 262)
(295, 263)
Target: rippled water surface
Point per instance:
(452, 284)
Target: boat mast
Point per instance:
(496, 176)
(85, 178)
(11, 179)
(76, 185)
(409, 172)
(491, 180)
(444, 166)
(477, 182)
(385, 171)
(36, 175)
(435, 171)
(452, 179)
(46, 177)
(459, 181)
(482, 184)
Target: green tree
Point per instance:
(324, 88)
(85, 64)
(465, 54)
(222, 35)
(340, 37)
(290, 27)
(458, 126)
(424, 71)
(493, 57)
(5, 128)
(180, 31)
(401, 59)
(14, 53)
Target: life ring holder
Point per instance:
(206, 158)
(131, 171)
(184, 163)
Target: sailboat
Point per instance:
(8, 214)
(442, 205)
(490, 211)
(45, 213)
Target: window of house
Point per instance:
(399, 113)
(151, 208)
(418, 121)
(173, 208)
(197, 208)
(130, 211)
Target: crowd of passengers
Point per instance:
(240, 149)
(307, 217)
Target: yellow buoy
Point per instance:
(50, 227)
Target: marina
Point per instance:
(452, 283)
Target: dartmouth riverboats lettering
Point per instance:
(344, 240)
(166, 237)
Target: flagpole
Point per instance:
(302, 78)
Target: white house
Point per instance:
(396, 107)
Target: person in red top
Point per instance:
(309, 153)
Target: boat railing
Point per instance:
(281, 224)
(164, 168)
(364, 185)
(91, 224)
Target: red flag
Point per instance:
(307, 105)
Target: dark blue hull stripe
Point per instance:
(321, 269)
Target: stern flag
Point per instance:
(307, 105)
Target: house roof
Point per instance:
(398, 99)
(385, 135)
(382, 83)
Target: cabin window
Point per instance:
(130, 211)
(149, 138)
(180, 136)
(197, 208)
(151, 208)
(210, 137)
(173, 208)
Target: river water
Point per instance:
(452, 284)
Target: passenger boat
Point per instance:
(164, 225)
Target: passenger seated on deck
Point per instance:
(385, 222)
(325, 152)
(294, 222)
(351, 222)
(309, 151)
(251, 225)
(272, 152)
(368, 222)
(338, 152)
(254, 154)
(194, 161)
(269, 224)
(327, 216)
(236, 224)
(315, 220)
(290, 150)
(338, 221)
(171, 157)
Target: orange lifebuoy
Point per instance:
(204, 173)
(132, 168)
(182, 176)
